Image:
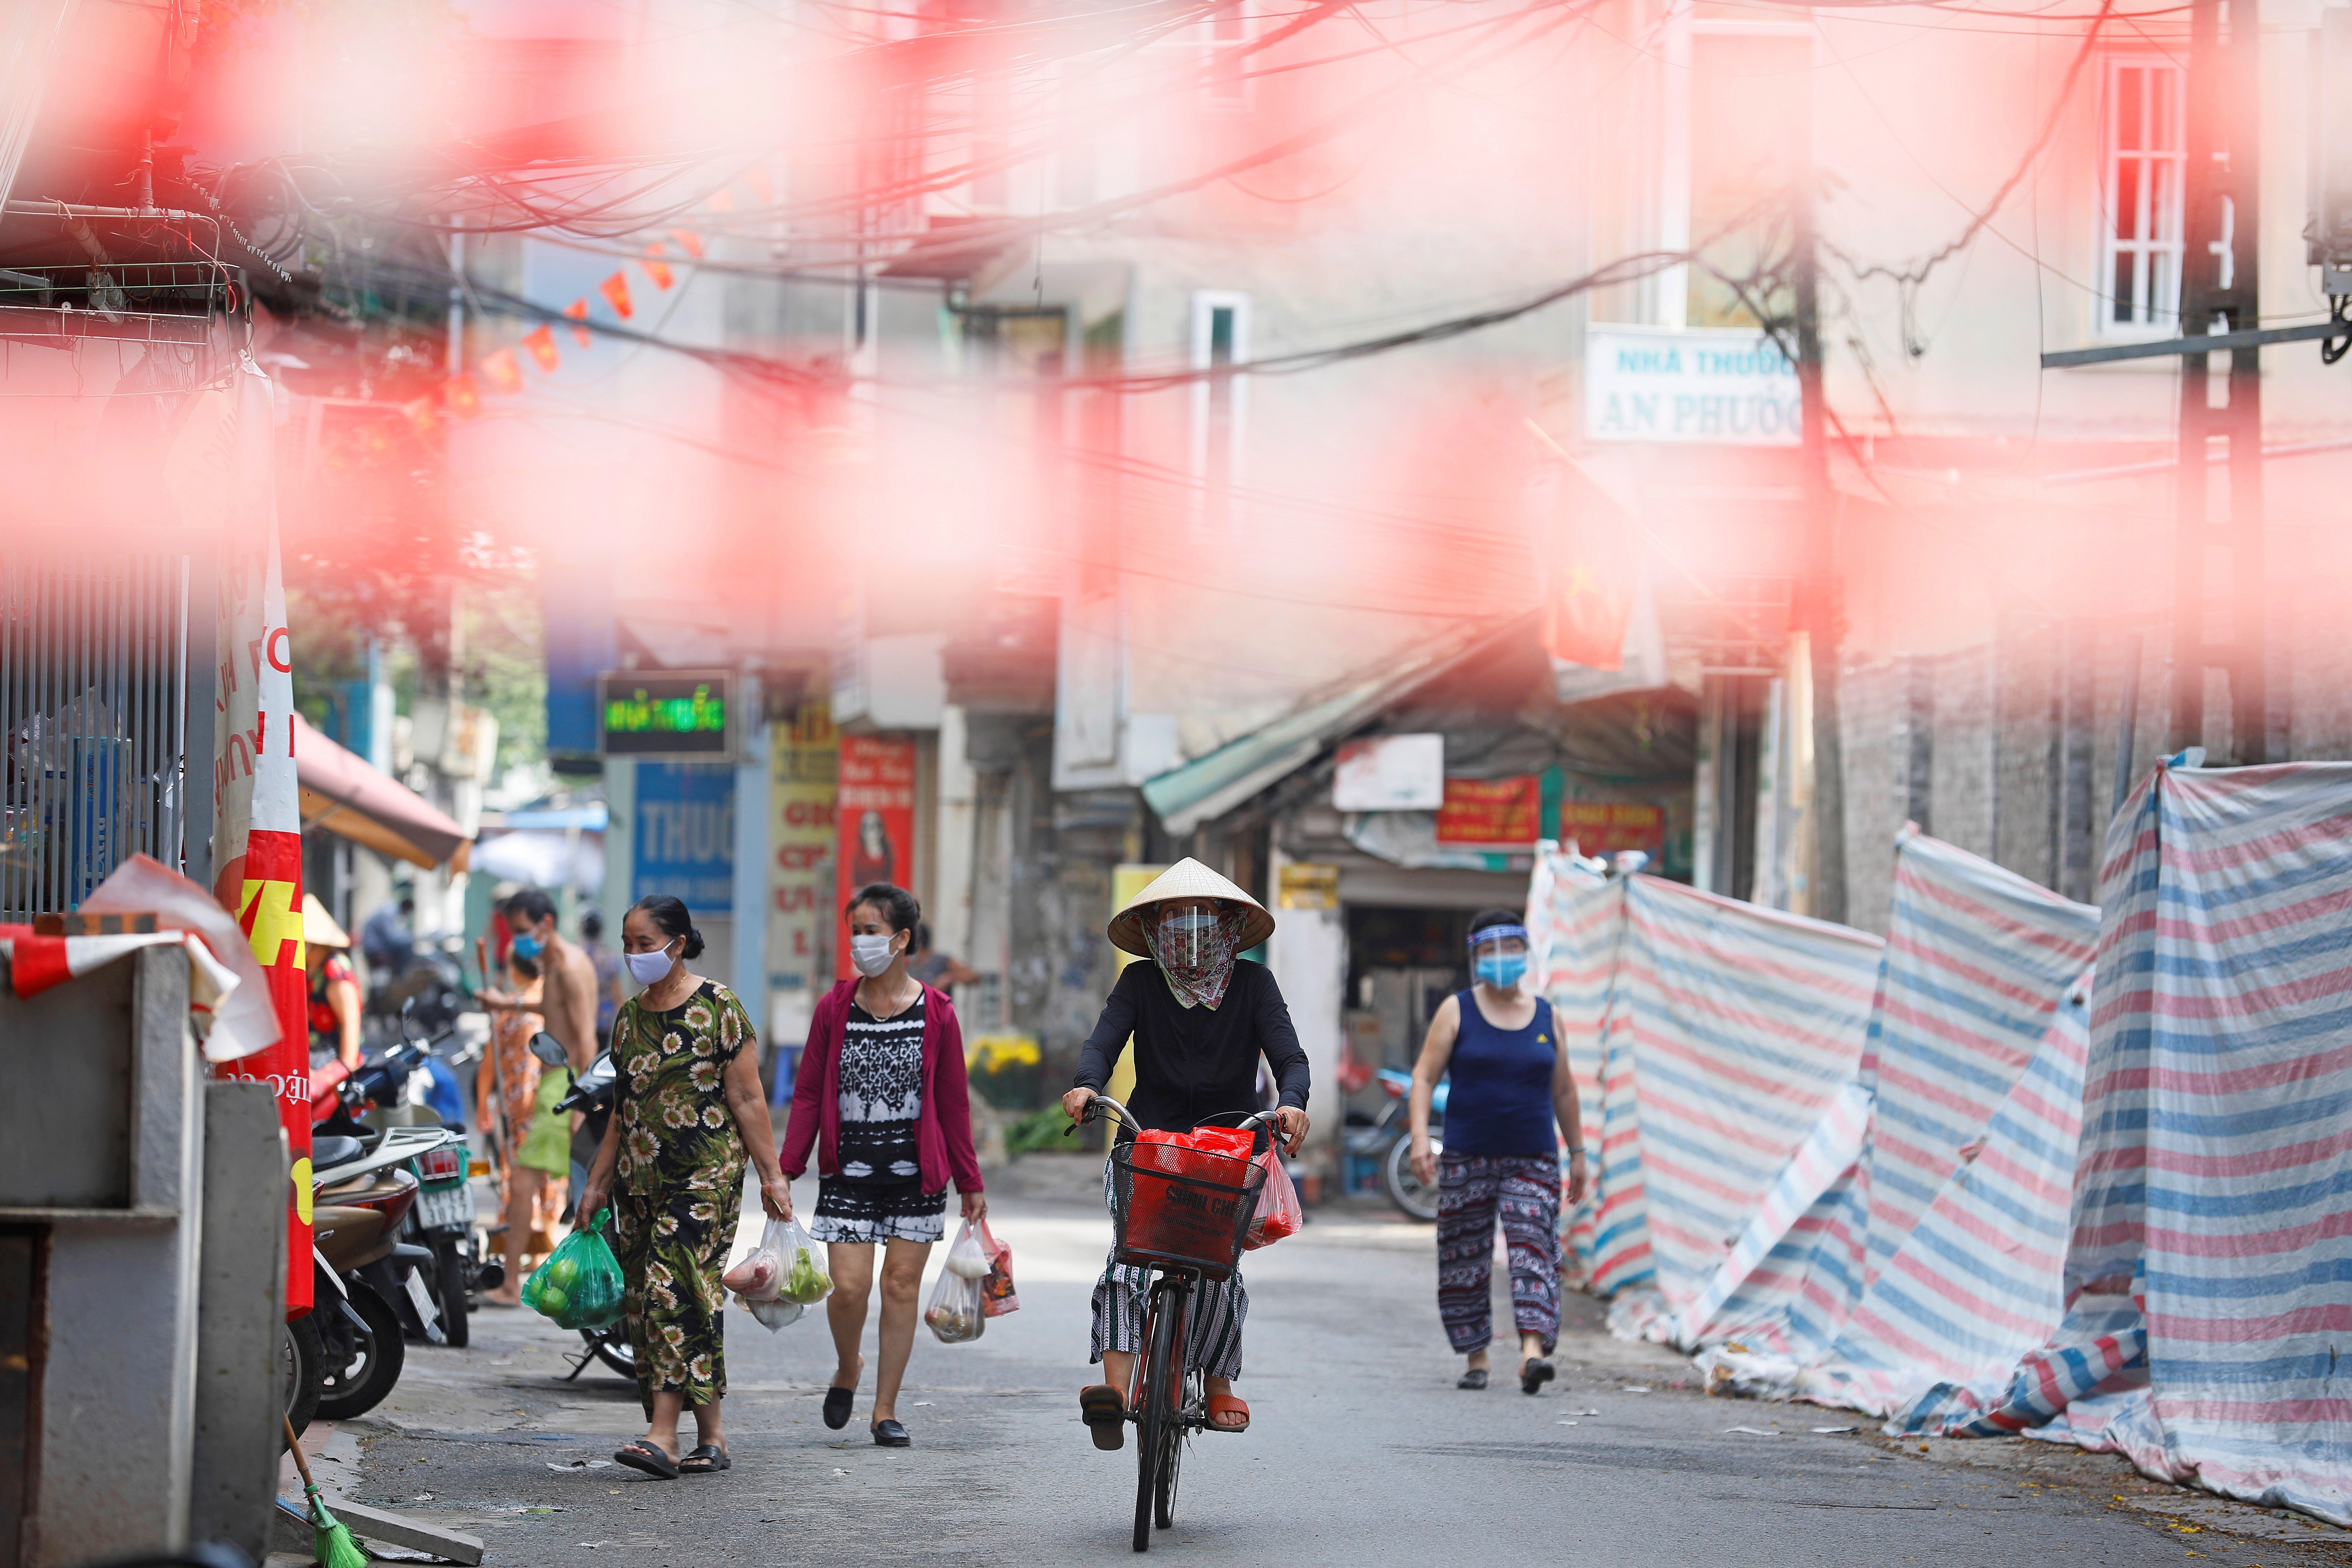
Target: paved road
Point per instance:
(1363, 1451)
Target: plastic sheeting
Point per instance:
(2218, 1117)
(1721, 1033)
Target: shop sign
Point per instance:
(1492, 810)
(1601, 827)
(1306, 884)
(672, 714)
(875, 821)
(685, 839)
(802, 831)
(1715, 388)
(1389, 772)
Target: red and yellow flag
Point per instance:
(257, 822)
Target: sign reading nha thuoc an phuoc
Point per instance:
(1718, 387)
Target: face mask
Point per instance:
(1502, 970)
(870, 955)
(527, 945)
(645, 968)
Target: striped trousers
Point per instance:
(1472, 1191)
(1120, 1302)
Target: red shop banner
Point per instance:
(1492, 810)
(875, 806)
(1598, 828)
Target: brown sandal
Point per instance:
(1105, 1413)
(1227, 1405)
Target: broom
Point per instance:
(333, 1546)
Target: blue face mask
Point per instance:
(1502, 969)
(527, 945)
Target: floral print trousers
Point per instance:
(673, 1249)
(1472, 1191)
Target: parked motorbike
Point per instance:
(362, 1195)
(1389, 1138)
(593, 1095)
(431, 987)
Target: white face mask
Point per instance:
(870, 955)
(645, 968)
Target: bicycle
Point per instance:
(1194, 1213)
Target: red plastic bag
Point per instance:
(996, 1293)
(1278, 1212)
(1170, 1218)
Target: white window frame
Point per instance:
(2155, 299)
(1206, 303)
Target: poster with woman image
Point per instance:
(875, 809)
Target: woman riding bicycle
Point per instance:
(1200, 1018)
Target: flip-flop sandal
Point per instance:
(1475, 1378)
(1105, 1414)
(888, 1434)
(643, 1456)
(709, 1459)
(1535, 1375)
(1227, 1405)
(838, 1402)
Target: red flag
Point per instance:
(687, 241)
(1588, 576)
(258, 820)
(655, 268)
(500, 370)
(616, 291)
(578, 312)
(540, 341)
(465, 399)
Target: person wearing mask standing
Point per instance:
(534, 1139)
(687, 1114)
(1510, 1083)
(568, 989)
(882, 1099)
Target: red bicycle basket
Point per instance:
(1184, 1198)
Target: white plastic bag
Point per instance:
(783, 1267)
(966, 1260)
(772, 1315)
(762, 1272)
(957, 1313)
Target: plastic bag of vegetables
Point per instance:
(957, 1313)
(804, 1279)
(579, 1286)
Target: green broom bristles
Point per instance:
(332, 1545)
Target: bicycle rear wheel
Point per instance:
(1156, 1429)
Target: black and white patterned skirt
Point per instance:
(875, 1212)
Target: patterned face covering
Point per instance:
(1195, 951)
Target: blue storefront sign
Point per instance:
(684, 838)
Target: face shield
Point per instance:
(1185, 935)
(1498, 956)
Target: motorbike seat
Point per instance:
(328, 1152)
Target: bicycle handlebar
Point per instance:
(1250, 1120)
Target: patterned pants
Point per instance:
(673, 1249)
(1214, 1334)
(1471, 1190)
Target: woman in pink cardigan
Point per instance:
(881, 1097)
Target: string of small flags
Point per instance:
(501, 370)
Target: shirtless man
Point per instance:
(567, 1001)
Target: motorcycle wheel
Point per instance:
(360, 1387)
(1416, 1198)
(449, 1268)
(302, 1366)
(612, 1348)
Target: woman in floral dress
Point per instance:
(689, 1110)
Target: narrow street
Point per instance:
(1362, 1450)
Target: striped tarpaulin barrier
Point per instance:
(1575, 917)
(1971, 1073)
(1729, 1030)
(2217, 1121)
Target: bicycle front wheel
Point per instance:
(1157, 1430)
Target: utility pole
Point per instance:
(1820, 600)
(2221, 279)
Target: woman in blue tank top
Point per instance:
(1501, 1158)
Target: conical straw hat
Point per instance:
(318, 927)
(1188, 879)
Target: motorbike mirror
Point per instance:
(549, 1049)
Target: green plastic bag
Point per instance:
(579, 1286)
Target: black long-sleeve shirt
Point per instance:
(1191, 1063)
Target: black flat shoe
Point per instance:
(1475, 1378)
(641, 1454)
(838, 1402)
(1535, 1375)
(709, 1459)
(890, 1435)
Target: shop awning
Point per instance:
(1211, 785)
(346, 794)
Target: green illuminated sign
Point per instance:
(670, 713)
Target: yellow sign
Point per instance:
(273, 919)
(1306, 885)
(1126, 882)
